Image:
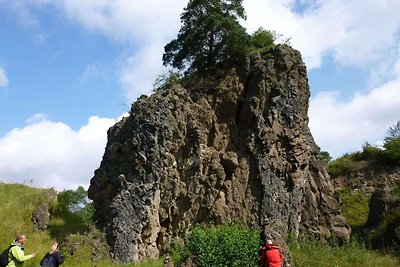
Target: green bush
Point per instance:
(262, 41)
(346, 164)
(371, 153)
(392, 151)
(224, 245)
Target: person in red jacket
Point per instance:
(271, 255)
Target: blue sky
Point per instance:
(69, 69)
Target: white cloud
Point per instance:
(3, 78)
(359, 32)
(356, 32)
(52, 154)
(139, 72)
(127, 20)
(341, 126)
(146, 25)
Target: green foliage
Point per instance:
(310, 252)
(75, 204)
(393, 132)
(80, 247)
(355, 208)
(384, 236)
(166, 81)
(179, 252)
(371, 153)
(350, 163)
(345, 164)
(224, 245)
(326, 157)
(210, 36)
(262, 41)
(392, 151)
(72, 200)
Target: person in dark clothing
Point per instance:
(52, 258)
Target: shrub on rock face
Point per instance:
(262, 41)
(224, 245)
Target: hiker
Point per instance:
(52, 258)
(271, 255)
(16, 254)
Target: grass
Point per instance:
(355, 208)
(353, 254)
(17, 203)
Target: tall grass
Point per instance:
(17, 203)
(353, 254)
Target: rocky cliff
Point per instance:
(232, 146)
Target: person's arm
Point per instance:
(59, 258)
(45, 256)
(19, 255)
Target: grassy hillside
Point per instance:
(79, 246)
(83, 247)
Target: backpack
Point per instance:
(4, 257)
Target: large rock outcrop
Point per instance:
(232, 146)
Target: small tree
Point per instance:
(210, 36)
(326, 157)
(393, 132)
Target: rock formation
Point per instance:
(231, 146)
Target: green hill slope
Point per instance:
(81, 244)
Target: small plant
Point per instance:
(166, 81)
(224, 245)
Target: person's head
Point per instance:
(21, 238)
(269, 242)
(54, 247)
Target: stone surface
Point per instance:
(232, 146)
(378, 207)
(41, 217)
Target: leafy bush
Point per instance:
(262, 41)
(392, 151)
(224, 245)
(346, 164)
(370, 152)
(71, 214)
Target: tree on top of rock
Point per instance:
(210, 36)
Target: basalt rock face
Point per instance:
(232, 146)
